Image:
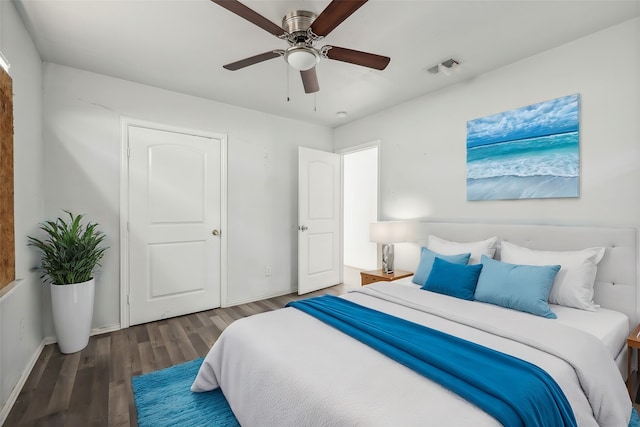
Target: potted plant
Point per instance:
(70, 253)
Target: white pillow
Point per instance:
(477, 249)
(573, 285)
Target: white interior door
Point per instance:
(319, 210)
(174, 223)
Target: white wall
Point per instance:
(20, 308)
(423, 154)
(360, 207)
(82, 113)
(422, 167)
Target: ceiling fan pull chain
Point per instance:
(315, 101)
(288, 84)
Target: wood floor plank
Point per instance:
(18, 413)
(283, 300)
(153, 329)
(246, 310)
(98, 411)
(185, 323)
(182, 340)
(39, 368)
(225, 317)
(43, 392)
(221, 323)
(199, 345)
(133, 413)
(134, 364)
(93, 387)
(173, 351)
(120, 358)
(210, 335)
(87, 355)
(204, 318)
(55, 419)
(64, 384)
(234, 312)
(80, 398)
(195, 321)
(141, 332)
(118, 405)
(148, 359)
(268, 305)
(19, 409)
(163, 360)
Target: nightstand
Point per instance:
(633, 341)
(373, 276)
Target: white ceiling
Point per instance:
(181, 45)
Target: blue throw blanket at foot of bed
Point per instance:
(515, 392)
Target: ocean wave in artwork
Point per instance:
(556, 155)
(545, 166)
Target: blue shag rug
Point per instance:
(164, 398)
(635, 419)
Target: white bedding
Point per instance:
(610, 327)
(287, 368)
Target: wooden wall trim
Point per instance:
(7, 238)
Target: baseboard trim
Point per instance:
(94, 331)
(105, 329)
(6, 408)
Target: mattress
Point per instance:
(287, 368)
(610, 327)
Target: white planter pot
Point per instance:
(72, 307)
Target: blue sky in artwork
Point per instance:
(546, 118)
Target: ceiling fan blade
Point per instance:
(310, 80)
(365, 59)
(334, 14)
(252, 16)
(253, 60)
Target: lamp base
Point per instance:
(387, 258)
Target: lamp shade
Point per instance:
(388, 232)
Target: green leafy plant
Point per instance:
(71, 251)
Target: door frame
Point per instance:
(125, 122)
(342, 152)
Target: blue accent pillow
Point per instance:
(426, 262)
(451, 279)
(519, 287)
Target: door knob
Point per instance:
(215, 232)
(303, 228)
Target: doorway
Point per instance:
(360, 208)
(172, 209)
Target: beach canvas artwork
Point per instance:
(527, 153)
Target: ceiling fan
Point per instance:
(302, 29)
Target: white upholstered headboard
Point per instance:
(616, 281)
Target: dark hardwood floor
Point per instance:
(93, 387)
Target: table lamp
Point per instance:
(387, 233)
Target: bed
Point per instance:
(289, 368)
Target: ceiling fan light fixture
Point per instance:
(301, 57)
